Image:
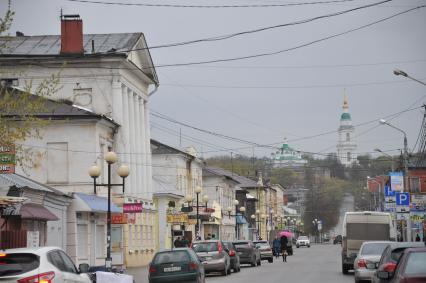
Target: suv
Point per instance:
(265, 250)
(248, 252)
(45, 264)
(303, 241)
(214, 256)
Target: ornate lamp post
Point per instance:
(94, 172)
(197, 191)
(242, 209)
(205, 200)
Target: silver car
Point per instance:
(369, 255)
(214, 256)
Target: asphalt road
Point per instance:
(319, 263)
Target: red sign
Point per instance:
(132, 207)
(119, 218)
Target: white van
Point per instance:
(359, 227)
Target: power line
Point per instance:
(287, 49)
(232, 35)
(208, 6)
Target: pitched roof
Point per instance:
(161, 148)
(112, 44)
(19, 181)
(56, 110)
(243, 181)
(51, 44)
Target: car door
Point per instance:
(72, 271)
(56, 260)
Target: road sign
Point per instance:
(389, 192)
(397, 181)
(402, 199)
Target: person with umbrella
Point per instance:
(283, 243)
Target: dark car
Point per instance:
(391, 255)
(248, 252)
(337, 240)
(214, 256)
(265, 250)
(177, 265)
(233, 254)
(411, 267)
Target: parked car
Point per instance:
(303, 241)
(265, 250)
(180, 264)
(45, 264)
(213, 255)
(362, 226)
(248, 252)
(233, 254)
(411, 267)
(391, 255)
(368, 257)
(337, 240)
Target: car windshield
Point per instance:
(241, 244)
(14, 264)
(416, 263)
(303, 238)
(373, 248)
(205, 247)
(171, 257)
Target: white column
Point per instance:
(148, 151)
(126, 134)
(139, 149)
(143, 139)
(132, 128)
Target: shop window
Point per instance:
(100, 241)
(82, 234)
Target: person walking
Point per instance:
(177, 243)
(418, 238)
(284, 242)
(276, 245)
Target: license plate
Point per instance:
(207, 258)
(171, 269)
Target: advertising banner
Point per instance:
(132, 208)
(120, 218)
(177, 218)
(397, 181)
(7, 159)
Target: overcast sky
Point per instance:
(293, 95)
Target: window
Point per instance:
(100, 241)
(82, 232)
(414, 184)
(18, 263)
(348, 156)
(68, 264)
(57, 162)
(55, 258)
(348, 136)
(415, 263)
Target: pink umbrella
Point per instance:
(288, 234)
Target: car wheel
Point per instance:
(297, 246)
(271, 260)
(309, 246)
(259, 263)
(229, 269)
(253, 262)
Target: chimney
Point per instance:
(71, 34)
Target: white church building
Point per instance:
(346, 145)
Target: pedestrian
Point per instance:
(417, 238)
(284, 242)
(177, 243)
(276, 244)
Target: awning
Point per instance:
(93, 203)
(36, 211)
(241, 219)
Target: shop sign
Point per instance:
(120, 218)
(7, 159)
(132, 207)
(177, 218)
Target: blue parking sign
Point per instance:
(403, 199)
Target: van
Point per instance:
(359, 227)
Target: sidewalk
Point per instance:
(140, 274)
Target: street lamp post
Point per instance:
(94, 172)
(384, 122)
(197, 191)
(258, 223)
(315, 222)
(242, 209)
(398, 72)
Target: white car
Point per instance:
(303, 241)
(40, 265)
